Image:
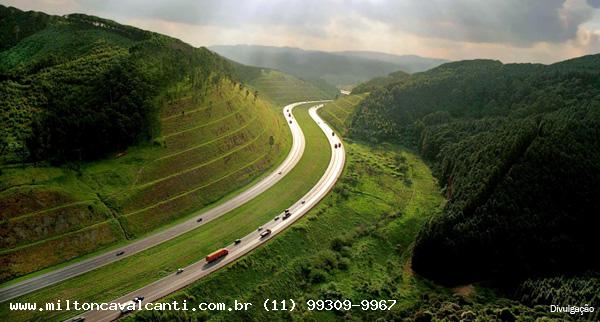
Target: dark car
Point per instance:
(119, 253)
(237, 241)
(138, 299)
(265, 233)
(199, 219)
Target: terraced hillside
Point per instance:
(207, 150)
(339, 112)
(281, 89)
(145, 267)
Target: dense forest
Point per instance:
(379, 82)
(516, 149)
(78, 87)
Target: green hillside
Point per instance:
(515, 149)
(339, 112)
(353, 246)
(281, 89)
(113, 132)
(147, 266)
(379, 82)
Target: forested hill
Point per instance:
(516, 149)
(383, 81)
(77, 87)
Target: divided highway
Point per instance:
(193, 272)
(78, 268)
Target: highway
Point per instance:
(35, 283)
(193, 272)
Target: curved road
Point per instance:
(192, 273)
(78, 268)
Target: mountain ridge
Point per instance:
(337, 68)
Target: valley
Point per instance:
(139, 168)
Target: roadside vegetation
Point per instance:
(354, 245)
(339, 112)
(114, 132)
(515, 150)
(281, 89)
(138, 270)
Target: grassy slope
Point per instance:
(372, 217)
(214, 141)
(140, 269)
(218, 146)
(339, 112)
(281, 88)
(356, 244)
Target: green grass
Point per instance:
(138, 270)
(339, 112)
(353, 245)
(222, 146)
(282, 89)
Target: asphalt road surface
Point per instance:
(78, 268)
(192, 273)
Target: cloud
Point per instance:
(594, 3)
(518, 22)
(510, 30)
(310, 16)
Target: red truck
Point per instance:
(216, 255)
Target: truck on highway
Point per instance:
(216, 255)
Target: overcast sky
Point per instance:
(510, 30)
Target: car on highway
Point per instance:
(179, 270)
(303, 201)
(199, 219)
(290, 121)
(138, 299)
(78, 319)
(260, 228)
(332, 133)
(265, 233)
(127, 307)
(237, 241)
(287, 215)
(276, 218)
(121, 252)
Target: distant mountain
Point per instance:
(338, 69)
(409, 63)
